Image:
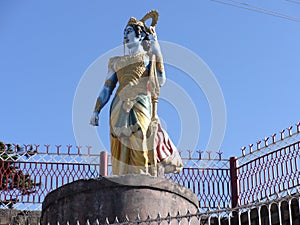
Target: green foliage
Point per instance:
(13, 181)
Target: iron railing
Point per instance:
(267, 175)
(270, 169)
(211, 185)
(48, 169)
(279, 211)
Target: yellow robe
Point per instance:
(130, 117)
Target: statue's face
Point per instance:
(130, 37)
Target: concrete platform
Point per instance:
(116, 196)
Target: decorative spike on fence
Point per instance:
(284, 134)
(282, 210)
(263, 175)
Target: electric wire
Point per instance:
(256, 9)
(293, 1)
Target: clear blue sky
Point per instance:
(46, 47)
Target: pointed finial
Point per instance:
(89, 149)
(116, 220)
(266, 141)
(208, 154)
(220, 155)
(290, 130)
(78, 148)
(190, 155)
(178, 217)
(58, 149)
(69, 149)
(258, 144)
(250, 148)
(188, 212)
(168, 217)
(47, 148)
(282, 134)
(199, 154)
(243, 150)
(148, 219)
(138, 218)
(158, 218)
(274, 138)
(298, 127)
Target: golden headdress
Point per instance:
(153, 14)
(134, 21)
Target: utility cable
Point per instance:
(257, 9)
(293, 1)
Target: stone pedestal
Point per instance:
(116, 196)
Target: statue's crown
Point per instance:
(153, 15)
(134, 21)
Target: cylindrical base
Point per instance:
(117, 196)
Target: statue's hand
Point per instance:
(155, 48)
(94, 119)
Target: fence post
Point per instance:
(234, 182)
(234, 190)
(103, 163)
